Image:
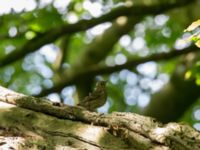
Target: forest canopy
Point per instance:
(145, 50)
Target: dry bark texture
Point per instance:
(35, 123)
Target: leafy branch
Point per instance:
(195, 28)
(55, 33)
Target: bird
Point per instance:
(95, 99)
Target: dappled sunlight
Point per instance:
(110, 61)
(8, 5)
(38, 65)
(61, 5)
(129, 3)
(72, 17)
(9, 49)
(54, 97)
(125, 41)
(197, 114)
(156, 85)
(114, 78)
(138, 89)
(12, 31)
(161, 19)
(49, 51)
(131, 94)
(9, 71)
(91, 133)
(122, 20)
(30, 35)
(164, 48)
(181, 44)
(6, 105)
(95, 8)
(123, 74)
(120, 59)
(137, 44)
(34, 89)
(145, 83)
(44, 3)
(148, 69)
(143, 100)
(68, 95)
(131, 79)
(160, 131)
(45, 71)
(47, 83)
(166, 32)
(140, 29)
(197, 126)
(105, 107)
(99, 29)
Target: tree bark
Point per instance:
(35, 123)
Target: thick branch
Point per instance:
(138, 131)
(53, 34)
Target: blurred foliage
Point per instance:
(152, 35)
(195, 29)
(42, 19)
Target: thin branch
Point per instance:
(53, 34)
(96, 70)
(133, 63)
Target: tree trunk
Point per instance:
(35, 123)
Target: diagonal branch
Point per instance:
(53, 34)
(133, 63)
(96, 70)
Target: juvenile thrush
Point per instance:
(95, 99)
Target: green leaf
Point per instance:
(193, 26)
(197, 43)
